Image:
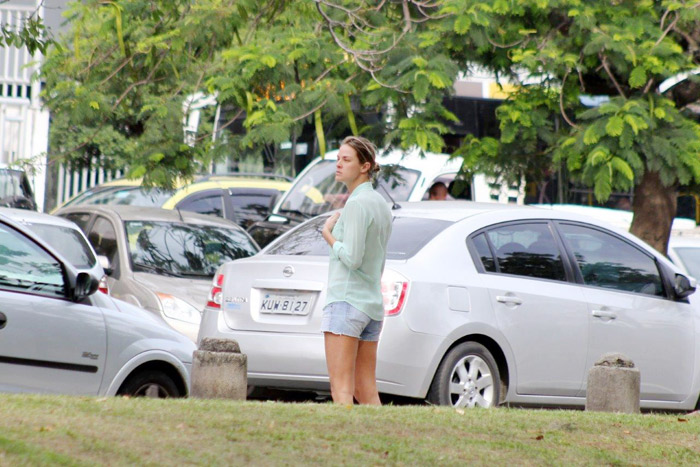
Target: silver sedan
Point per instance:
(58, 336)
(485, 303)
(159, 259)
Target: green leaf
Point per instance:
(462, 24)
(95, 105)
(614, 126)
(590, 136)
(268, 60)
(156, 157)
(438, 80)
(603, 183)
(137, 171)
(623, 167)
(659, 113)
(420, 62)
(638, 77)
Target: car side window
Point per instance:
(80, 218)
(26, 267)
(251, 206)
(608, 261)
(484, 252)
(527, 250)
(213, 205)
(103, 239)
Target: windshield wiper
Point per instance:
(197, 274)
(297, 212)
(156, 269)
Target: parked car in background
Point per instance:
(15, 190)
(485, 303)
(58, 336)
(161, 260)
(404, 176)
(240, 197)
(122, 191)
(63, 235)
(243, 198)
(684, 250)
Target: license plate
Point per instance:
(283, 304)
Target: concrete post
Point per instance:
(219, 370)
(613, 385)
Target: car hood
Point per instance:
(193, 291)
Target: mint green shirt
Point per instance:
(359, 253)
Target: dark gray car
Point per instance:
(161, 260)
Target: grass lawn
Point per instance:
(60, 430)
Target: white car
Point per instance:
(64, 236)
(485, 303)
(404, 176)
(58, 336)
(684, 250)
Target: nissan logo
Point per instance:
(288, 271)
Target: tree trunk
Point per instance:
(654, 208)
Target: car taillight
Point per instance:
(394, 287)
(103, 287)
(214, 299)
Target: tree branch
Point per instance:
(561, 103)
(604, 62)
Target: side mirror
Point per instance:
(82, 285)
(277, 219)
(104, 262)
(683, 286)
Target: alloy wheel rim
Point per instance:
(152, 390)
(471, 383)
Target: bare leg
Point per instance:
(366, 373)
(341, 352)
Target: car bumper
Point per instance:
(297, 361)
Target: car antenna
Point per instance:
(394, 205)
(180, 214)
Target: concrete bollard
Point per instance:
(613, 385)
(219, 370)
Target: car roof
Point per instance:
(413, 159)
(147, 213)
(26, 216)
(451, 210)
(223, 183)
(617, 217)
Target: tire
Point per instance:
(467, 377)
(154, 384)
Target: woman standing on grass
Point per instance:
(353, 315)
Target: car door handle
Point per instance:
(508, 300)
(604, 314)
(3, 320)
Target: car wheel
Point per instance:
(467, 377)
(150, 384)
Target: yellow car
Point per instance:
(240, 197)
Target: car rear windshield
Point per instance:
(69, 242)
(408, 236)
(178, 249)
(318, 192)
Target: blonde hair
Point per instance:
(366, 152)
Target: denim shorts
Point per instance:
(343, 319)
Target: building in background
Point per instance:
(24, 124)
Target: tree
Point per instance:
(640, 138)
(31, 34)
(116, 83)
